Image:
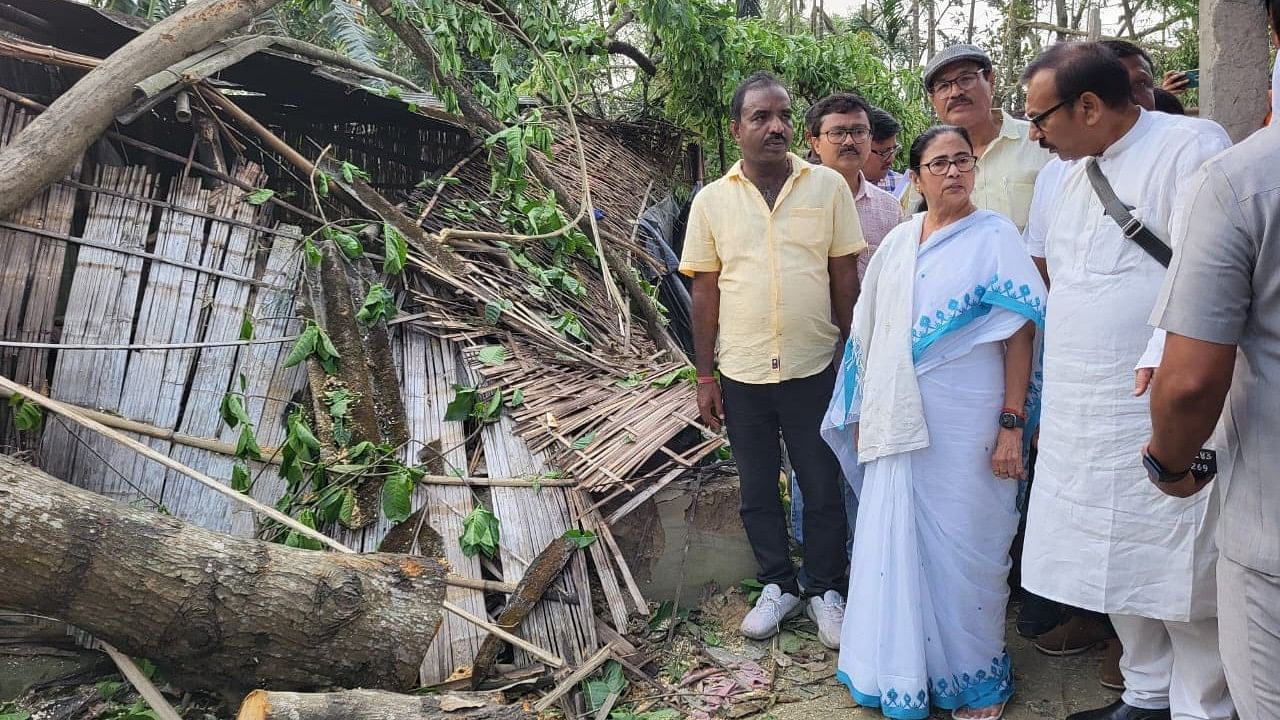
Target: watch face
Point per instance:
(1008, 420)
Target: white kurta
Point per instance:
(1099, 535)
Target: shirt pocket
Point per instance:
(1110, 252)
(810, 228)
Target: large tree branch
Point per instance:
(52, 143)
(617, 47)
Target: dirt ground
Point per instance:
(802, 684)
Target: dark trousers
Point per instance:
(756, 415)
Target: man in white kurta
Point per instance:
(1099, 535)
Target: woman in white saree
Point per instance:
(934, 395)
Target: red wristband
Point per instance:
(706, 379)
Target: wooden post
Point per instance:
(1234, 68)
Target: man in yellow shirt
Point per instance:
(959, 82)
(772, 248)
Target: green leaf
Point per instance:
(490, 410)
(351, 172)
(322, 183)
(583, 538)
(348, 506)
(379, 303)
(516, 399)
(662, 614)
(494, 308)
(395, 249)
(597, 691)
(480, 532)
(339, 402)
(397, 497)
(232, 411)
(16, 715)
(257, 197)
(584, 441)
(492, 354)
(463, 402)
(349, 244)
(300, 435)
(311, 253)
(632, 380)
(108, 689)
(246, 326)
(324, 346)
(240, 478)
(304, 346)
(27, 416)
(247, 446)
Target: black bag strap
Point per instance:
(1131, 226)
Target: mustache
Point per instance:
(958, 101)
(775, 136)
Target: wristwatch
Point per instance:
(1012, 419)
(1157, 472)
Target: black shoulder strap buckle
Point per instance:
(1131, 226)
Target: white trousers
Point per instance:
(1249, 603)
(1173, 665)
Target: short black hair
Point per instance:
(1273, 13)
(1167, 102)
(845, 102)
(1081, 67)
(926, 138)
(883, 125)
(754, 80)
(1123, 49)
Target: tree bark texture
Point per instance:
(542, 572)
(377, 705)
(216, 612)
(52, 143)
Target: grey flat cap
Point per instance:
(954, 53)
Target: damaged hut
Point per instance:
(293, 275)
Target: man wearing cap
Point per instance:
(959, 82)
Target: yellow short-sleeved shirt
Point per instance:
(775, 291)
(1007, 171)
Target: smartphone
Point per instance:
(1193, 78)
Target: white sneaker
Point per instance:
(828, 613)
(773, 606)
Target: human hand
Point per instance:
(1175, 81)
(1142, 380)
(711, 404)
(1006, 461)
(1186, 487)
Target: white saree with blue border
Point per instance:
(920, 387)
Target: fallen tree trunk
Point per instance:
(52, 143)
(214, 611)
(376, 705)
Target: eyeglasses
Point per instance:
(837, 136)
(887, 154)
(962, 82)
(942, 166)
(1041, 117)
